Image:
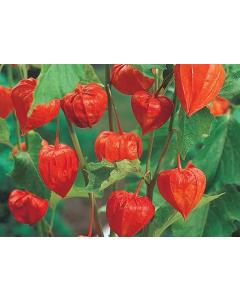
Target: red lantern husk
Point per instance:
(26, 207)
(129, 80)
(22, 97)
(197, 85)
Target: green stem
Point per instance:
(149, 151)
(163, 152)
(111, 109)
(91, 216)
(151, 134)
(110, 100)
(172, 219)
(40, 229)
(76, 145)
(10, 76)
(164, 83)
(17, 130)
(82, 167)
(24, 71)
(98, 224)
(52, 218)
(26, 141)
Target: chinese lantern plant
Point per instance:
(180, 114)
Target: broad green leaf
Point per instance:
(219, 156)
(4, 133)
(166, 216)
(97, 174)
(34, 146)
(26, 175)
(79, 190)
(192, 129)
(194, 224)
(6, 165)
(224, 214)
(121, 170)
(57, 80)
(104, 174)
(231, 87)
(25, 172)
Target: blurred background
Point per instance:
(72, 214)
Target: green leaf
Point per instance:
(57, 80)
(194, 224)
(34, 146)
(219, 156)
(224, 214)
(25, 172)
(104, 174)
(147, 69)
(192, 129)
(4, 133)
(166, 216)
(231, 87)
(122, 169)
(26, 175)
(79, 190)
(97, 174)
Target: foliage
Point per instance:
(55, 81)
(211, 143)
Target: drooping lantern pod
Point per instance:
(197, 85)
(26, 207)
(6, 105)
(219, 106)
(58, 167)
(181, 187)
(22, 97)
(129, 80)
(127, 213)
(151, 111)
(116, 146)
(85, 105)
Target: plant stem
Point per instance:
(52, 218)
(164, 83)
(163, 152)
(172, 219)
(109, 93)
(10, 76)
(98, 224)
(82, 167)
(24, 71)
(76, 145)
(149, 151)
(91, 216)
(17, 130)
(40, 229)
(26, 141)
(117, 118)
(108, 87)
(151, 134)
